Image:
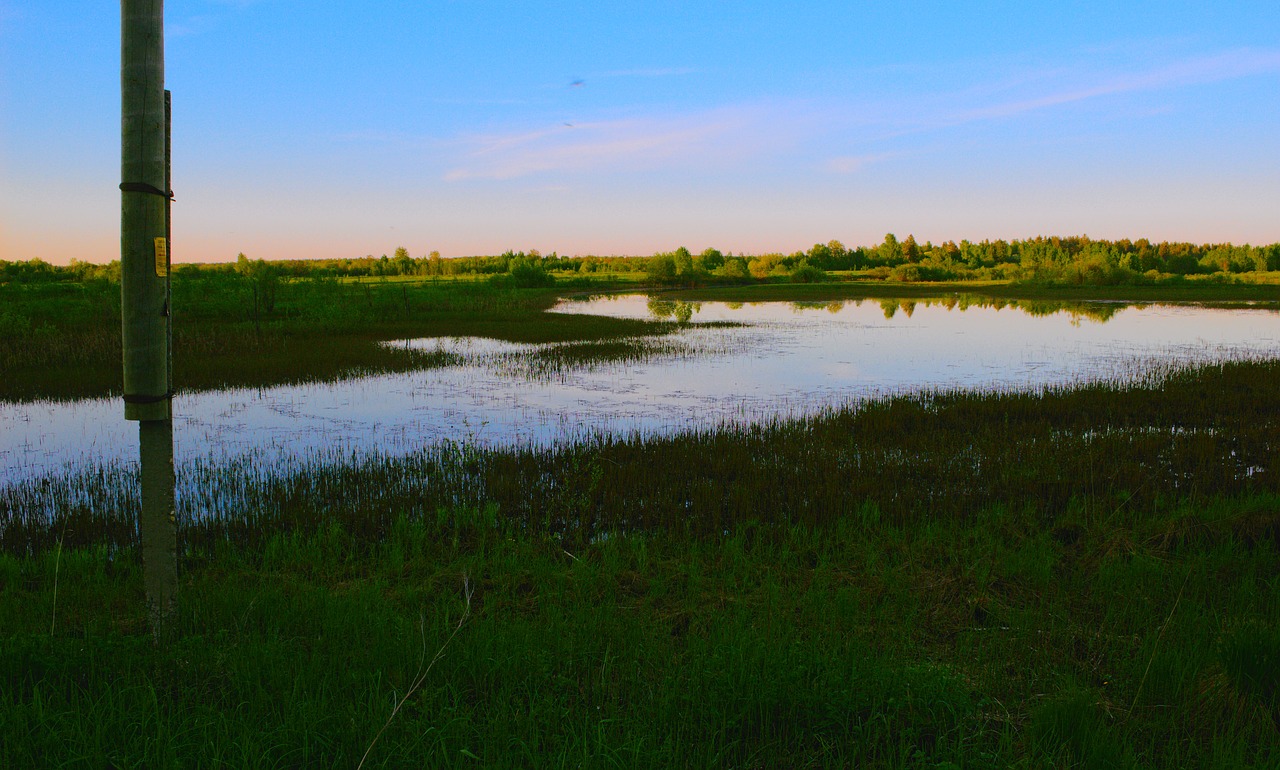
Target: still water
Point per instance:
(760, 361)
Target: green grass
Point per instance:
(988, 641)
(1083, 577)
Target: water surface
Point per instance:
(772, 359)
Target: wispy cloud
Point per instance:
(874, 133)
(1193, 72)
(631, 144)
(837, 135)
(1015, 93)
(1228, 65)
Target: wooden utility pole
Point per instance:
(144, 292)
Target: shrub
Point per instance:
(764, 265)
(529, 274)
(807, 273)
(906, 273)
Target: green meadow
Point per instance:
(1082, 576)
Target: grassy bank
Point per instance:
(1082, 577)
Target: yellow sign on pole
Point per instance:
(162, 257)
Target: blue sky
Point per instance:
(306, 129)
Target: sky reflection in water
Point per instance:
(785, 359)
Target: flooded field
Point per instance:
(725, 364)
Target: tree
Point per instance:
(735, 269)
(263, 280)
(819, 255)
(890, 252)
(910, 251)
(403, 263)
(709, 260)
(831, 256)
(684, 262)
(661, 268)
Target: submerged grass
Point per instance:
(1083, 577)
(566, 360)
(1183, 433)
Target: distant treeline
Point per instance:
(1077, 259)
(401, 264)
(1057, 260)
